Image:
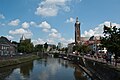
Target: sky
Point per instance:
(52, 21)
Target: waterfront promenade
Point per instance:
(112, 64)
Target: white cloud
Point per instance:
(45, 30)
(9, 37)
(42, 41)
(50, 41)
(66, 8)
(14, 22)
(2, 16)
(66, 41)
(45, 25)
(21, 31)
(32, 23)
(2, 24)
(25, 25)
(71, 20)
(38, 41)
(98, 31)
(46, 11)
(55, 35)
(52, 7)
(70, 40)
(62, 39)
(54, 30)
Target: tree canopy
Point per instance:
(45, 46)
(25, 47)
(82, 48)
(38, 48)
(111, 39)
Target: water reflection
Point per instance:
(5, 72)
(44, 69)
(79, 74)
(26, 69)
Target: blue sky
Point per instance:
(53, 21)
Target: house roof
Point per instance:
(4, 40)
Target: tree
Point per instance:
(82, 48)
(25, 47)
(45, 46)
(111, 39)
(66, 49)
(54, 47)
(38, 48)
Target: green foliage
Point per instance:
(45, 46)
(54, 47)
(19, 60)
(111, 39)
(38, 48)
(82, 48)
(25, 46)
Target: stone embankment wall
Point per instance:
(100, 70)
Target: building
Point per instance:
(94, 43)
(23, 39)
(51, 47)
(77, 37)
(84, 40)
(60, 46)
(6, 47)
(77, 32)
(70, 47)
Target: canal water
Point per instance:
(44, 69)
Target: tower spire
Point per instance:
(110, 25)
(23, 37)
(76, 19)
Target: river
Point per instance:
(44, 69)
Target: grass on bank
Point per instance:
(20, 60)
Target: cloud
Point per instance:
(38, 41)
(25, 25)
(71, 20)
(55, 35)
(46, 11)
(98, 31)
(65, 42)
(14, 22)
(2, 16)
(45, 25)
(21, 31)
(45, 30)
(54, 30)
(9, 37)
(2, 24)
(52, 7)
(32, 23)
(50, 41)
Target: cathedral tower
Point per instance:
(77, 31)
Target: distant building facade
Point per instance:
(6, 47)
(60, 46)
(95, 44)
(70, 47)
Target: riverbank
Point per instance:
(99, 70)
(10, 62)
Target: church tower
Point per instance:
(77, 32)
(22, 38)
